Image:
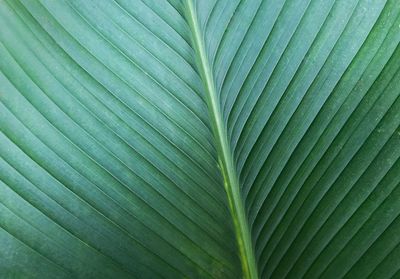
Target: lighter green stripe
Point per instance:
(228, 170)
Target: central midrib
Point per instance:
(225, 159)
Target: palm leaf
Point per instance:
(199, 139)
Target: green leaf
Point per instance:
(199, 139)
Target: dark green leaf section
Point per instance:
(109, 165)
(310, 95)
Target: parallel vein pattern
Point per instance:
(110, 162)
(310, 96)
(107, 157)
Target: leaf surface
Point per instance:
(199, 139)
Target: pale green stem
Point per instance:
(228, 169)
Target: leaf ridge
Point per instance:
(225, 157)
